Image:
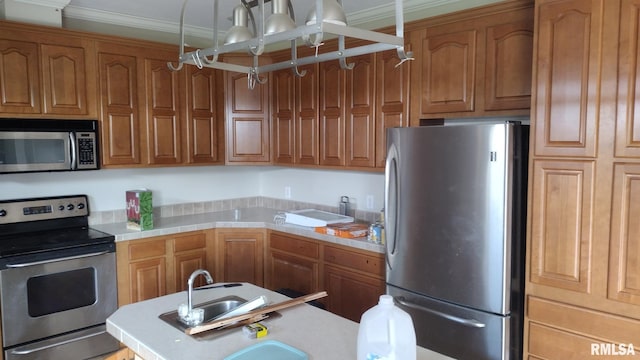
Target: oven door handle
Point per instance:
(56, 260)
(25, 350)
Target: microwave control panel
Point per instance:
(86, 153)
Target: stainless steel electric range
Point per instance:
(57, 280)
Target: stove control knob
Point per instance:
(3, 212)
(70, 207)
(61, 207)
(80, 206)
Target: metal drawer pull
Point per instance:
(466, 322)
(56, 260)
(45, 347)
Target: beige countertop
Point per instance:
(255, 217)
(319, 333)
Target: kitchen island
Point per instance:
(319, 333)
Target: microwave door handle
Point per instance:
(466, 322)
(74, 150)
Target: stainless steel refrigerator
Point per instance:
(455, 228)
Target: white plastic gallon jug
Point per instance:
(386, 333)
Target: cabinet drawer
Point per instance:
(577, 320)
(190, 242)
(368, 263)
(296, 246)
(146, 249)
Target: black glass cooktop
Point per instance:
(51, 240)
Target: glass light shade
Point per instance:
(279, 20)
(239, 31)
(332, 13)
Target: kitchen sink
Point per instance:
(212, 309)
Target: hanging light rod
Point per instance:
(280, 27)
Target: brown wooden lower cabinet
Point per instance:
(161, 265)
(350, 293)
(353, 279)
(288, 271)
(240, 255)
(157, 266)
(563, 331)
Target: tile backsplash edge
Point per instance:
(119, 215)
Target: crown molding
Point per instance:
(55, 4)
(388, 11)
(138, 22)
(369, 16)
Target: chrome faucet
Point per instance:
(190, 284)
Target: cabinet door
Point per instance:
(241, 256)
(448, 70)
(292, 263)
(284, 126)
(360, 108)
(306, 120)
(142, 270)
(628, 117)
(351, 294)
(508, 62)
(562, 230)
(148, 279)
(164, 118)
(624, 263)
(287, 271)
(568, 64)
(392, 100)
(64, 80)
(19, 77)
(332, 124)
(120, 126)
(189, 255)
(203, 124)
(247, 118)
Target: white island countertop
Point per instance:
(319, 333)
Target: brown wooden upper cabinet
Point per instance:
(151, 115)
(474, 63)
(142, 114)
(584, 188)
(204, 123)
(335, 117)
(247, 117)
(295, 115)
(165, 118)
(391, 99)
(46, 74)
(120, 111)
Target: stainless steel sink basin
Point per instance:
(212, 309)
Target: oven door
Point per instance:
(46, 298)
(35, 151)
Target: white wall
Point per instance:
(325, 186)
(106, 188)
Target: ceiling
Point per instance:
(164, 15)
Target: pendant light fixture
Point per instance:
(332, 13)
(279, 20)
(239, 31)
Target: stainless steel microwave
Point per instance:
(31, 145)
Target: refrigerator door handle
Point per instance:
(391, 203)
(466, 322)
